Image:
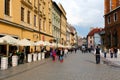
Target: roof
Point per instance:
(93, 31)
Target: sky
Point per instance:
(84, 14)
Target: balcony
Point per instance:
(27, 3)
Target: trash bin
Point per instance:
(29, 58)
(39, 56)
(4, 63)
(14, 60)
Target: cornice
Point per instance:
(22, 27)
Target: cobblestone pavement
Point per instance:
(75, 67)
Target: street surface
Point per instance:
(76, 66)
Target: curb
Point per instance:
(16, 71)
(110, 63)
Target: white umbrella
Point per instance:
(60, 45)
(46, 43)
(1, 40)
(8, 40)
(52, 44)
(68, 46)
(25, 42)
(39, 43)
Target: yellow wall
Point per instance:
(1, 8)
(10, 30)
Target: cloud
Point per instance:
(84, 14)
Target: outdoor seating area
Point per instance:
(15, 51)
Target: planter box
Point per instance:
(4, 63)
(29, 58)
(43, 55)
(14, 61)
(39, 56)
(34, 57)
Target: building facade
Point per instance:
(112, 23)
(93, 37)
(56, 20)
(30, 19)
(68, 35)
(63, 25)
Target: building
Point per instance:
(112, 23)
(93, 38)
(102, 34)
(63, 25)
(30, 19)
(82, 41)
(73, 36)
(68, 34)
(56, 22)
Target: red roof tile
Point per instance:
(95, 30)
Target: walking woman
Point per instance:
(105, 52)
(111, 52)
(53, 55)
(97, 55)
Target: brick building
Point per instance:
(112, 23)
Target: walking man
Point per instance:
(97, 55)
(115, 52)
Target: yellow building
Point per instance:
(63, 25)
(30, 19)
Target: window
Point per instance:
(44, 25)
(109, 20)
(115, 16)
(28, 17)
(22, 14)
(49, 27)
(7, 7)
(90, 37)
(35, 20)
(40, 24)
(90, 41)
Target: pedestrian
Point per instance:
(65, 52)
(53, 54)
(111, 52)
(105, 52)
(22, 57)
(75, 50)
(97, 55)
(61, 55)
(115, 52)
